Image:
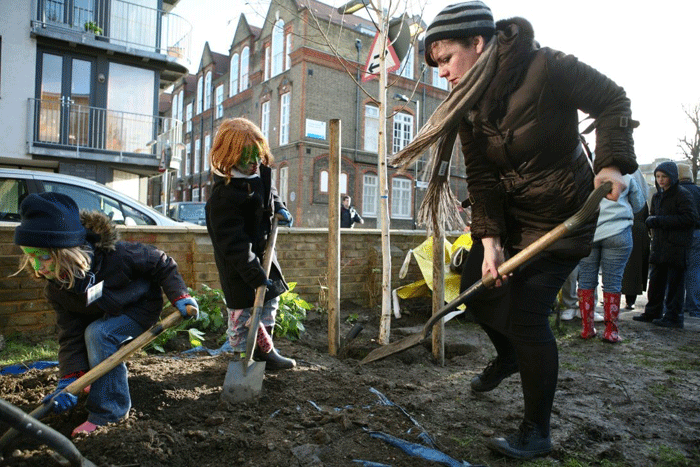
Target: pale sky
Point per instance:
(649, 49)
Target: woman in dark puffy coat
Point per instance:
(515, 108)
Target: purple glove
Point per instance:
(62, 401)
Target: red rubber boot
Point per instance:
(612, 315)
(586, 303)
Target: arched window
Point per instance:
(244, 68)
(277, 47)
(233, 76)
(200, 95)
(207, 91)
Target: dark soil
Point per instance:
(630, 404)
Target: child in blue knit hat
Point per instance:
(105, 292)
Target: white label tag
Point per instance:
(444, 165)
(94, 292)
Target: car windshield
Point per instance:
(191, 212)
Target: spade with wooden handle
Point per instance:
(572, 223)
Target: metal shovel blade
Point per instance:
(240, 387)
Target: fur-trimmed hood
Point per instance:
(102, 232)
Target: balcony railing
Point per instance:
(120, 23)
(60, 127)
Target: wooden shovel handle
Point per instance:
(107, 364)
(539, 245)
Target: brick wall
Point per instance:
(302, 254)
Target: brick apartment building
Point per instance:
(286, 78)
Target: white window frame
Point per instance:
(284, 180)
(200, 94)
(288, 50)
(323, 182)
(401, 198)
(277, 47)
(188, 158)
(188, 111)
(197, 156)
(220, 101)
(370, 195)
(407, 64)
(371, 137)
(233, 76)
(268, 63)
(245, 70)
(285, 110)
(265, 119)
(207, 91)
(439, 82)
(174, 106)
(402, 131)
(207, 149)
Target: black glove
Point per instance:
(653, 222)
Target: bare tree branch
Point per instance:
(690, 146)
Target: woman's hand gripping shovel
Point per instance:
(572, 223)
(105, 366)
(244, 379)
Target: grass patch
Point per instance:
(669, 457)
(18, 350)
(683, 365)
(661, 390)
(570, 366)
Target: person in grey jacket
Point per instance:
(514, 106)
(104, 291)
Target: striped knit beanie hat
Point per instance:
(459, 21)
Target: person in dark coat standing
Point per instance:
(514, 106)
(692, 272)
(636, 275)
(239, 216)
(672, 220)
(348, 215)
(104, 291)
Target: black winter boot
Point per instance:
(496, 371)
(274, 360)
(527, 443)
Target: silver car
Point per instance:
(16, 184)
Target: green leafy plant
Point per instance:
(91, 26)
(291, 313)
(352, 318)
(211, 319)
(18, 349)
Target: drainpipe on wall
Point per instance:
(358, 46)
